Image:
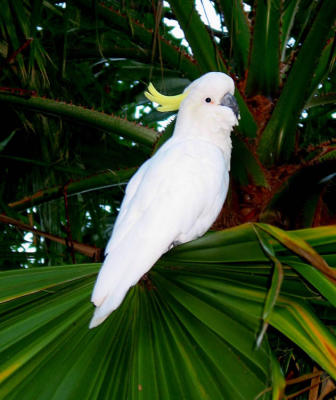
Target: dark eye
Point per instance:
(208, 100)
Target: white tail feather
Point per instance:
(108, 306)
(122, 269)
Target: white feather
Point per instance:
(174, 197)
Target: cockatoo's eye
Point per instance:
(208, 100)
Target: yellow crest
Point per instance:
(167, 103)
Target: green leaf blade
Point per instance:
(278, 138)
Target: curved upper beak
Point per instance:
(230, 101)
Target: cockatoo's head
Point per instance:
(209, 100)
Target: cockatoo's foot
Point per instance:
(174, 244)
(146, 282)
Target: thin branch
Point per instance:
(87, 250)
(103, 180)
(14, 55)
(69, 242)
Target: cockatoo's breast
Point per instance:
(199, 171)
(214, 127)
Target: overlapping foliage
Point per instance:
(216, 318)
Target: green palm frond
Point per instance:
(177, 331)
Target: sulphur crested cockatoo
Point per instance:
(176, 195)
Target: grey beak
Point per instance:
(230, 101)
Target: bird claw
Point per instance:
(174, 244)
(146, 281)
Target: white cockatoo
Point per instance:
(177, 194)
